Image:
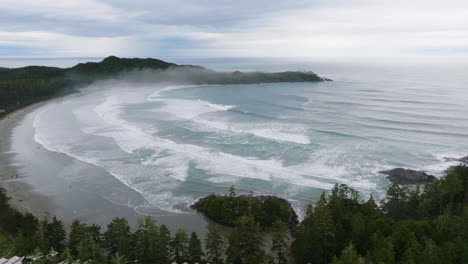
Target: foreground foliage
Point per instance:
(410, 226)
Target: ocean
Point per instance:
(174, 143)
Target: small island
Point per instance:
(265, 209)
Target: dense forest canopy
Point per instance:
(409, 227)
(23, 86)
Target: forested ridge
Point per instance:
(410, 226)
(22, 86)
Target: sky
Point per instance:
(241, 28)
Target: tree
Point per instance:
(89, 250)
(179, 246)
(146, 241)
(279, 241)
(56, 234)
(67, 256)
(245, 242)
(77, 234)
(232, 191)
(214, 244)
(315, 240)
(349, 256)
(119, 260)
(195, 252)
(40, 238)
(397, 202)
(117, 238)
(162, 245)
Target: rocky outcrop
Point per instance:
(293, 222)
(407, 176)
(463, 160)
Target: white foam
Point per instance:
(158, 93)
(189, 109)
(195, 109)
(158, 175)
(174, 157)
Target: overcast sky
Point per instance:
(240, 28)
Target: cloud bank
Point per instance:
(222, 28)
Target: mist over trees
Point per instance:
(23, 86)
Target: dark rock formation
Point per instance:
(463, 160)
(407, 176)
(293, 222)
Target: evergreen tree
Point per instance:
(56, 234)
(146, 241)
(117, 238)
(245, 242)
(315, 241)
(77, 234)
(41, 239)
(162, 245)
(89, 250)
(195, 252)
(179, 246)
(349, 256)
(214, 244)
(279, 241)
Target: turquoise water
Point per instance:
(175, 143)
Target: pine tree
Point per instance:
(279, 241)
(77, 234)
(214, 244)
(349, 256)
(117, 238)
(146, 240)
(162, 245)
(179, 246)
(56, 234)
(89, 250)
(195, 252)
(245, 242)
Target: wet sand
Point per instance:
(51, 184)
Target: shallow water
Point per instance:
(174, 144)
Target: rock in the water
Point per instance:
(293, 222)
(462, 160)
(407, 176)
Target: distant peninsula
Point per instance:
(22, 86)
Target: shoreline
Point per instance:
(22, 196)
(37, 181)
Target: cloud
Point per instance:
(299, 28)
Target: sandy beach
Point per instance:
(22, 195)
(37, 180)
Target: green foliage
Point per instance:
(245, 242)
(229, 208)
(179, 246)
(117, 238)
(214, 244)
(22, 86)
(410, 226)
(280, 239)
(195, 252)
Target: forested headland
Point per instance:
(22, 86)
(410, 226)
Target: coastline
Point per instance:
(36, 181)
(23, 198)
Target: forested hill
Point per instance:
(23, 86)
